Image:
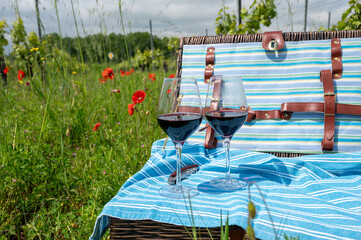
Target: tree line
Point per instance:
(96, 48)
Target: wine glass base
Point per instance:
(178, 192)
(228, 184)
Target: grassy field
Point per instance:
(57, 170)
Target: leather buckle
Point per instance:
(328, 95)
(273, 41)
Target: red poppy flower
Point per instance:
(151, 76)
(127, 73)
(131, 108)
(27, 83)
(131, 70)
(169, 90)
(171, 76)
(138, 96)
(6, 70)
(122, 73)
(21, 75)
(96, 126)
(108, 73)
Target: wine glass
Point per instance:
(179, 115)
(226, 112)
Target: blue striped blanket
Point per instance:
(313, 197)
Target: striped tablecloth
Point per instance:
(313, 197)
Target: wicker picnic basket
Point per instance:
(148, 229)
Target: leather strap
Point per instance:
(319, 107)
(268, 114)
(328, 107)
(329, 110)
(208, 71)
(271, 38)
(336, 58)
(210, 140)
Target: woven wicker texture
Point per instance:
(147, 229)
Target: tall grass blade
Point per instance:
(79, 44)
(125, 38)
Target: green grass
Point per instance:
(57, 173)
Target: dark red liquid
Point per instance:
(179, 126)
(226, 122)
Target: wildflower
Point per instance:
(122, 73)
(171, 76)
(110, 55)
(142, 146)
(131, 70)
(14, 180)
(131, 108)
(24, 131)
(74, 154)
(106, 74)
(27, 83)
(151, 76)
(34, 49)
(42, 58)
(169, 90)
(21, 75)
(96, 126)
(115, 90)
(74, 72)
(103, 172)
(127, 73)
(138, 96)
(6, 70)
(118, 123)
(21, 82)
(110, 73)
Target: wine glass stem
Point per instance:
(226, 144)
(178, 147)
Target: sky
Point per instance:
(169, 17)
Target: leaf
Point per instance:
(345, 14)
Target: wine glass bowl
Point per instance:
(226, 112)
(179, 116)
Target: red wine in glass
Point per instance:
(179, 116)
(226, 122)
(226, 112)
(179, 126)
